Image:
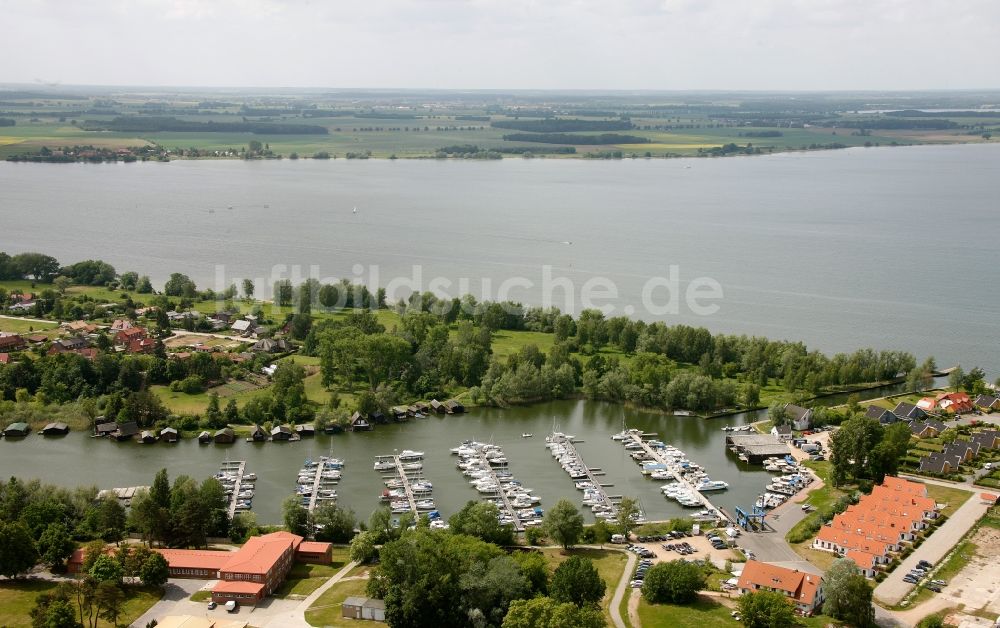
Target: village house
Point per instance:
(927, 404)
(987, 403)
(926, 429)
(271, 345)
(68, 345)
(23, 306)
(874, 529)
(908, 411)
(126, 336)
(799, 417)
(987, 439)
(881, 415)
(12, 342)
(954, 402)
(121, 324)
(142, 345)
(939, 464)
(804, 589)
(80, 327)
(782, 432)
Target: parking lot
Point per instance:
(692, 547)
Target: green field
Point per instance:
(18, 326)
(17, 598)
(326, 611)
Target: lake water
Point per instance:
(110, 464)
(891, 248)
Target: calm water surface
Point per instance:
(892, 248)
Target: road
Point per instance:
(892, 590)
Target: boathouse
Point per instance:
(16, 430)
(55, 429)
(257, 434)
(205, 437)
(453, 407)
(756, 447)
(225, 436)
(169, 435)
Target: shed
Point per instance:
(373, 610)
(351, 608)
(257, 434)
(126, 430)
(438, 407)
(147, 437)
(205, 437)
(225, 436)
(169, 435)
(16, 430)
(305, 429)
(454, 407)
(377, 417)
(106, 429)
(55, 429)
(400, 413)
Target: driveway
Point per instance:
(177, 601)
(892, 590)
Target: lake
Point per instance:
(893, 248)
(77, 458)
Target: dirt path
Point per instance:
(633, 608)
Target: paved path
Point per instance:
(296, 618)
(180, 333)
(616, 599)
(892, 590)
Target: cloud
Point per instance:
(586, 44)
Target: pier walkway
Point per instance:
(238, 467)
(606, 502)
(678, 476)
(518, 524)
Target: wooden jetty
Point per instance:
(680, 477)
(592, 473)
(518, 524)
(238, 467)
(405, 478)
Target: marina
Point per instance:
(317, 480)
(486, 466)
(587, 479)
(238, 484)
(406, 490)
(663, 462)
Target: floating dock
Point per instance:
(403, 470)
(673, 469)
(487, 465)
(319, 482)
(233, 470)
(565, 452)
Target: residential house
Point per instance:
(804, 589)
(955, 402)
(927, 404)
(881, 415)
(23, 306)
(12, 342)
(908, 411)
(126, 336)
(121, 324)
(37, 339)
(964, 450)
(987, 403)
(938, 463)
(142, 345)
(272, 345)
(241, 327)
(987, 439)
(926, 429)
(782, 432)
(80, 327)
(72, 344)
(800, 418)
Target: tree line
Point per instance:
(156, 124)
(572, 138)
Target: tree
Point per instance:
(564, 523)
(17, 550)
(480, 519)
(110, 601)
(766, 609)
(535, 569)
(544, 612)
(144, 285)
(248, 289)
(295, 516)
(53, 610)
(848, 594)
(777, 414)
(42, 268)
(107, 569)
(488, 588)
(55, 545)
(334, 523)
(628, 512)
(576, 580)
(179, 285)
(363, 548)
(155, 570)
(676, 582)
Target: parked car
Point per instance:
(211, 605)
(933, 587)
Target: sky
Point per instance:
(505, 44)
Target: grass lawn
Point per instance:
(17, 598)
(18, 326)
(953, 497)
(304, 579)
(705, 612)
(201, 596)
(326, 611)
(609, 563)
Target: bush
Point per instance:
(676, 582)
